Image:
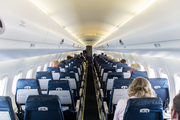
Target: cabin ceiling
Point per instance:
(91, 20)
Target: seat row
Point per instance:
(115, 87)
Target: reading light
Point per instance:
(55, 20)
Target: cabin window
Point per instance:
(142, 67)
(16, 77)
(29, 73)
(45, 67)
(39, 68)
(50, 64)
(177, 83)
(151, 72)
(128, 62)
(3, 84)
(163, 74)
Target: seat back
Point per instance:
(78, 66)
(73, 70)
(114, 64)
(126, 69)
(24, 88)
(62, 89)
(55, 72)
(120, 67)
(72, 80)
(106, 71)
(101, 69)
(161, 87)
(136, 74)
(43, 107)
(119, 91)
(144, 109)
(62, 67)
(110, 79)
(6, 110)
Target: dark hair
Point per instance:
(82, 57)
(176, 104)
(63, 62)
(102, 53)
(123, 61)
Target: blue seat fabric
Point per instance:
(48, 75)
(125, 69)
(136, 74)
(56, 69)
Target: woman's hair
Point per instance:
(141, 87)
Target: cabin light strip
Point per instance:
(46, 12)
(137, 12)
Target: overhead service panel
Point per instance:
(2, 27)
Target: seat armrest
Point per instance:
(80, 92)
(82, 84)
(105, 107)
(102, 94)
(99, 84)
(77, 106)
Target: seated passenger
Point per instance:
(55, 63)
(139, 88)
(69, 57)
(109, 58)
(135, 67)
(115, 60)
(82, 56)
(102, 54)
(175, 109)
(105, 55)
(123, 61)
(63, 62)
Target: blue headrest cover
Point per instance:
(6, 105)
(115, 74)
(34, 83)
(69, 69)
(115, 63)
(121, 82)
(62, 65)
(125, 69)
(53, 84)
(33, 102)
(106, 69)
(136, 74)
(65, 74)
(48, 75)
(134, 105)
(56, 69)
(105, 65)
(121, 65)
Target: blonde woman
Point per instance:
(139, 88)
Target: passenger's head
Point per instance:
(109, 58)
(105, 55)
(81, 54)
(123, 61)
(141, 88)
(175, 112)
(55, 63)
(63, 62)
(135, 67)
(82, 58)
(69, 57)
(114, 60)
(75, 54)
(102, 53)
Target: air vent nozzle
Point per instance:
(121, 42)
(2, 27)
(62, 41)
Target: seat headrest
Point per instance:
(136, 74)
(52, 102)
(47, 75)
(106, 69)
(33, 83)
(115, 74)
(62, 65)
(6, 105)
(125, 69)
(69, 69)
(121, 65)
(145, 108)
(53, 84)
(65, 74)
(55, 69)
(118, 83)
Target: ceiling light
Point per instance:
(90, 34)
(145, 6)
(54, 19)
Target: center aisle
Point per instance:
(91, 108)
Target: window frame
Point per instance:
(30, 70)
(37, 70)
(4, 77)
(175, 83)
(12, 86)
(45, 66)
(149, 66)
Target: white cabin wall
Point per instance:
(12, 67)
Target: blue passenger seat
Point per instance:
(161, 87)
(55, 72)
(43, 78)
(144, 109)
(136, 74)
(43, 107)
(24, 88)
(6, 110)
